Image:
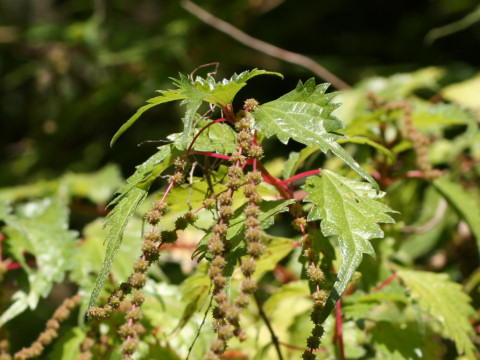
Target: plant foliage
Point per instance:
(218, 247)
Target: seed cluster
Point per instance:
(227, 314)
(86, 349)
(152, 241)
(420, 144)
(217, 246)
(4, 355)
(131, 330)
(315, 275)
(50, 333)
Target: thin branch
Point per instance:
(263, 46)
(386, 282)
(264, 316)
(200, 328)
(202, 130)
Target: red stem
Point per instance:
(282, 189)
(386, 282)
(202, 130)
(339, 328)
(16, 265)
(170, 186)
(301, 175)
(215, 155)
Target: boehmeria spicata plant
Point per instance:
(218, 247)
(327, 205)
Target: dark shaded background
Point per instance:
(73, 71)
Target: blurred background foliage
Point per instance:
(73, 71)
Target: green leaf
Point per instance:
(350, 210)
(97, 187)
(193, 93)
(445, 301)
(41, 229)
(167, 96)
(305, 115)
(297, 288)
(193, 99)
(219, 138)
(296, 159)
(440, 114)
(117, 221)
(276, 248)
(398, 342)
(222, 93)
(366, 141)
(195, 290)
(463, 203)
(464, 93)
(128, 200)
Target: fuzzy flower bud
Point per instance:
(248, 267)
(153, 217)
(149, 249)
(315, 274)
(249, 286)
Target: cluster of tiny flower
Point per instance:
(46, 337)
(226, 314)
(316, 276)
(132, 328)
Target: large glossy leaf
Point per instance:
(39, 228)
(305, 115)
(128, 200)
(463, 203)
(351, 211)
(445, 301)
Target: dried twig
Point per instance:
(263, 46)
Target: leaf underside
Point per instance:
(351, 211)
(305, 115)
